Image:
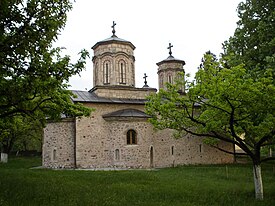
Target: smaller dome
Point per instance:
(171, 59)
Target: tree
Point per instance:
(221, 105)
(20, 132)
(253, 42)
(33, 75)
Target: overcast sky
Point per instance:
(192, 26)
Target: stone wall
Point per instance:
(100, 142)
(187, 150)
(122, 92)
(97, 139)
(58, 144)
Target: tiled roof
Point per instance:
(171, 59)
(113, 39)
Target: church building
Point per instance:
(117, 134)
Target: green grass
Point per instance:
(188, 185)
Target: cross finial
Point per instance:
(145, 81)
(169, 47)
(114, 31)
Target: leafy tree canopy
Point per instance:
(21, 133)
(33, 75)
(253, 42)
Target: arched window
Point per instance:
(133, 75)
(131, 137)
(122, 72)
(170, 79)
(106, 73)
(117, 155)
(95, 73)
(161, 81)
(200, 148)
(54, 154)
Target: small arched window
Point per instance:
(200, 148)
(172, 150)
(122, 72)
(95, 73)
(161, 81)
(54, 154)
(170, 79)
(131, 137)
(106, 73)
(117, 155)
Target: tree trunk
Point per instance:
(259, 194)
(270, 152)
(4, 157)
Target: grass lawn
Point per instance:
(188, 185)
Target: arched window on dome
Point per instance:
(106, 72)
(161, 81)
(95, 74)
(131, 137)
(170, 79)
(122, 72)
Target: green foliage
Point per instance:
(188, 185)
(20, 133)
(253, 42)
(33, 75)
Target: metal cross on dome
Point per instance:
(114, 31)
(169, 47)
(145, 81)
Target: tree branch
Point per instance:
(228, 152)
(267, 159)
(213, 106)
(233, 132)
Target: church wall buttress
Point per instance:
(58, 144)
